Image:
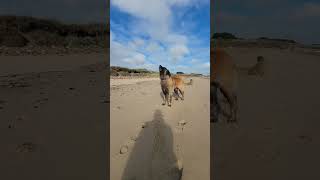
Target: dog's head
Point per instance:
(164, 73)
(260, 59)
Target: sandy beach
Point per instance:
(53, 117)
(278, 136)
(152, 141)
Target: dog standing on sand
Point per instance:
(169, 85)
(224, 78)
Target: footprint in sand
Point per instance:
(12, 122)
(26, 147)
(180, 126)
(104, 100)
(40, 102)
(2, 103)
(125, 148)
(305, 139)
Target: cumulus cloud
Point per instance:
(178, 51)
(125, 54)
(153, 47)
(155, 21)
(136, 60)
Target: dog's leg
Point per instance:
(167, 99)
(170, 99)
(215, 105)
(177, 93)
(234, 109)
(164, 96)
(182, 94)
(164, 99)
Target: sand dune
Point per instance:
(151, 141)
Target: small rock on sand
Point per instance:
(20, 118)
(124, 149)
(144, 125)
(182, 123)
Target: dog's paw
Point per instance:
(163, 104)
(169, 105)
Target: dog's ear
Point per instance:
(168, 73)
(160, 68)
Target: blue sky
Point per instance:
(173, 33)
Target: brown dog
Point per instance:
(224, 78)
(169, 85)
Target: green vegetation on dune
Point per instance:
(123, 71)
(20, 31)
(223, 35)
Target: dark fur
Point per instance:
(166, 85)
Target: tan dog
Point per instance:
(223, 78)
(178, 86)
(169, 85)
(256, 70)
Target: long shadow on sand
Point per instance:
(152, 157)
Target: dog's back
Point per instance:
(178, 82)
(223, 69)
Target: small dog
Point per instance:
(169, 85)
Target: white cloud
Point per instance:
(178, 51)
(194, 61)
(153, 20)
(205, 65)
(153, 47)
(154, 13)
(136, 43)
(137, 59)
(154, 16)
(124, 55)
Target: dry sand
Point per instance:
(150, 141)
(53, 117)
(278, 135)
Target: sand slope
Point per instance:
(154, 144)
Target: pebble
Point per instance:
(144, 125)
(124, 149)
(182, 122)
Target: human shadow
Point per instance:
(152, 157)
